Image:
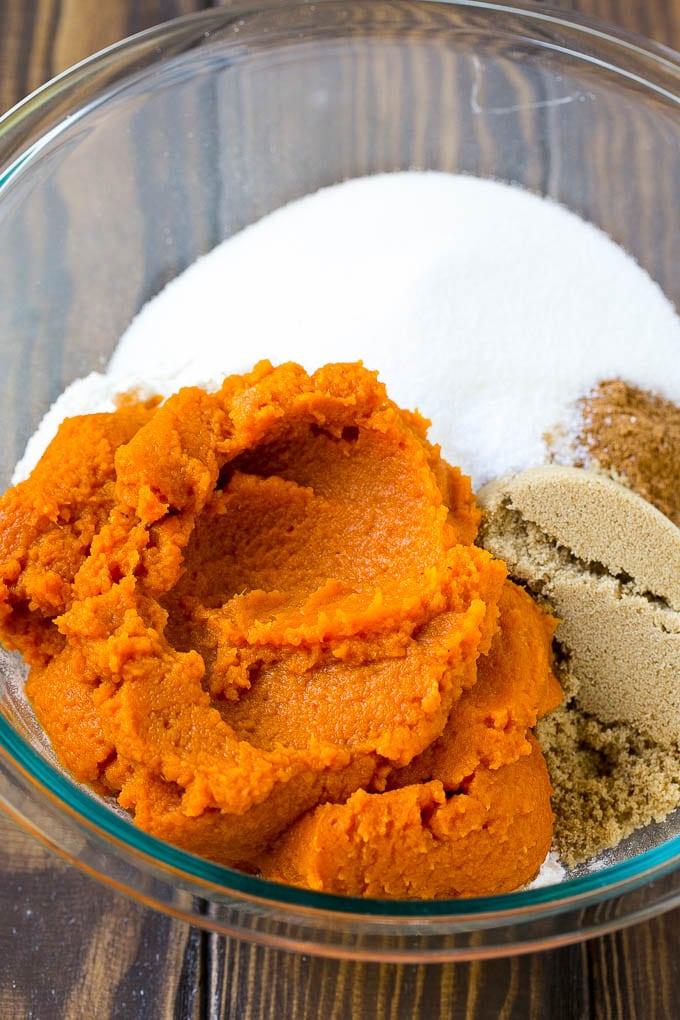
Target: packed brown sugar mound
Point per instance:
(240, 605)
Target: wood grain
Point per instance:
(656, 19)
(40, 38)
(71, 948)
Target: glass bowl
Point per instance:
(119, 173)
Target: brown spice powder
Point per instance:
(635, 436)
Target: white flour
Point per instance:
(488, 308)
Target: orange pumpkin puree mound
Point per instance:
(47, 526)
(243, 607)
(422, 842)
(471, 815)
(515, 687)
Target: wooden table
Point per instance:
(70, 948)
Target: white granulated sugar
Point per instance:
(487, 308)
(95, 392)
(552, 871)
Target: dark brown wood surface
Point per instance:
(70, 948)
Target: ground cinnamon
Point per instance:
(635, 435)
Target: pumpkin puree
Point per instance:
(257, 618)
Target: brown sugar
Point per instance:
(608, 563)
(599, 555)
(608, 780)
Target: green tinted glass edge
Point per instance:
(609, 880)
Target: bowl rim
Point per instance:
(559, 897)
(591, 27)
(96, 814)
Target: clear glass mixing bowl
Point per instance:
(119, 173)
